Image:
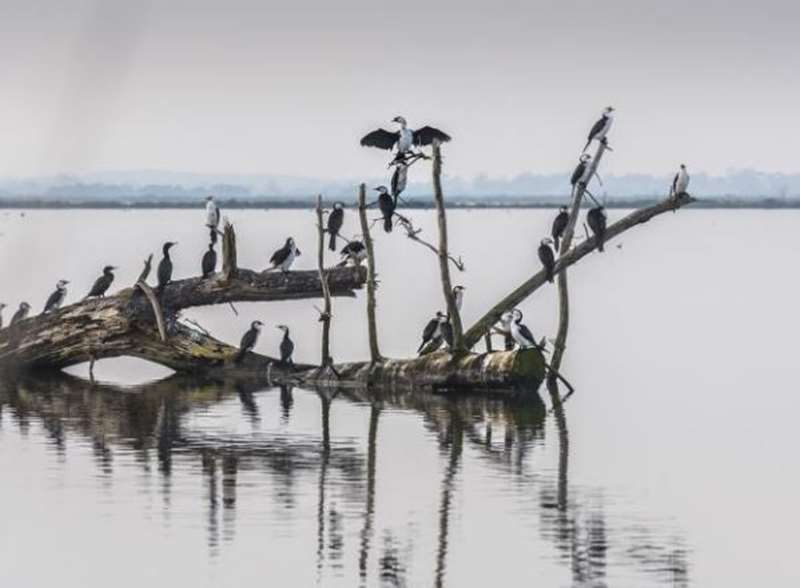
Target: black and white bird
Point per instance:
(505, 327)
(284, 257)
(458, 295)
(103, 283)
(583, 171)
(522, 334)
(212, 218)
(547, 257)
(335, 221)
(249, 340)
(57, 298)
(680, 183)
(21, 314)
(287, 345)
(165, 266)
(559, 226)
(404, 139)
(354, 251)
(596, 218)
(386, 204)
(433, 330)
(601, 127)
(209, 262)
(399, 180)
(2, 306)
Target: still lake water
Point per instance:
(674, 463)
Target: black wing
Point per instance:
(279, 256)
(335, 221)
(675, 183)
(526, 334)
(52, 300)
(578, 173)
(426, 135)
(381, 138)
(447, 333)
(598, 126)
(559, 224)
(249, 340)
(209, 263)
(352, 248)
(399, 180)
(287, 348)
(100, 286)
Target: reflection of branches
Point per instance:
(366, 532)
(413, 234)
(456, 441)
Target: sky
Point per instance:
(288, 88)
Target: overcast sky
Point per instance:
(289, 87)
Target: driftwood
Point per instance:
(372, 327)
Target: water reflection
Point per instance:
(496, 435)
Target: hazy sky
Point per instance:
(289, 87)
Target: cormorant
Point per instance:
(56, 299)
(405, 139)
(601, 127)
(209, 263)
(386, 204)
(547, 257)
(284, 257)
(165, 266)
(522, 335)
(433, 329)
(287, 346)
(2, 306)
(458, 294)
(399, 180)
(248, 340)
(680, 183)
(596, 218)
(354, 251)
(559, 226)
(102, 283)
(212, 217)
(335, 221)
(583, 171)
(21, 314)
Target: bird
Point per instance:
(386, 204)
(102, 283)
(21, 314)
(596, 218)
(458, 296)
(284, 257)
(212, 217)
(559, 226)
(248, 340)
(432, 330)
(404, 139)
(583, 171)
(209, 263)
(681, 182)
(547, 257)
(505, 327)
(521, 334)
(165, 266)
(56, 299)
(335, 221)
(287, 346)
(354, 251)
(399, 180)
(601, 127)
(2, 306)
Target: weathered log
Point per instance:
(325, 315)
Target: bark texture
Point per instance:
(372, 283)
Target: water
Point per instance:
(672, 465)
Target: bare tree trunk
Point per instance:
(444, 265)
(374, 351)
(325, 317)
(229, 263)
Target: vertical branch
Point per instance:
(325, 317)
(444, 267)
(229, 253)
(374, 352)
(560, 344)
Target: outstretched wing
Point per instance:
(381, 138)
(426, 135)
(51, 301)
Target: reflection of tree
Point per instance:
(455, 441)
(366, 532)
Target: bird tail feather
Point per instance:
(332, 242)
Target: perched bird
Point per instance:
(287, 346)
(505, 326)
(458, 294)
(56, 299)
(102, 283)
(248, 340)
(284, 257)
(601, 127)
(404, 139)
(433, 330)
(335, 221)
(386, 204)
(2, 306)
(209, 263)
(165, 266)
(21, 314)
(680, 183)
(583, 171)
(522, 334)
(212, 217)
(559, 226)
(596, 218)
(354, 251)
(399, 180)
(547, 257)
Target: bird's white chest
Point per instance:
(518, 337)
(459, 299)
(605, 128)
(287, 263)
(212, 214)
(683, 182)
(406, 140)
(62, 295)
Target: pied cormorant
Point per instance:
(433, 330)
(56, 299)
(404, 139)
(458, 296)
(354, 251)
(583, 171)
(284, 257)
(681, 182)
(21, 314)
(212, 218)
(522, 334)
(596, 218)
(601, 127)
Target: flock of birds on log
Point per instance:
(406, 145)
